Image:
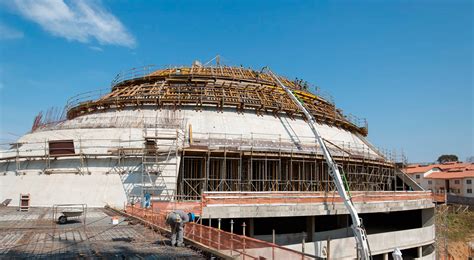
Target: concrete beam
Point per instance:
(307, 209)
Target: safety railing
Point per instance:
(357, 121)
(85, 97)
(253, 141)
(147, 70)
(275, 142)
(323, 94)
(133, 73)
(94, 95)
(125, 120)
(227, 243)
(150, 70)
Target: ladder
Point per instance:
(160, 163)
(363, 250)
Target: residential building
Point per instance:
(454, 177)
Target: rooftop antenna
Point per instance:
(217, 58)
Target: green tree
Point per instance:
(447, 158)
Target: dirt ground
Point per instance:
(454, 232)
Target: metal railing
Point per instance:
(227, 243)
(141, 72)
(147, 70)
(357, 121)
(275, 142)
(86, 97)
(323, 94)
(252, 141)
(122, 121)
(133, 73)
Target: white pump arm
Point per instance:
(359, 231)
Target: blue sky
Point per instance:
(406, 66)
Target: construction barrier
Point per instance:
(232, 245)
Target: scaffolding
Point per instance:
(219, 88)
(246, 171)
(208, 162)
(265, 162)
(160, 162)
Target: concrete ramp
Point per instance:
(408, 180)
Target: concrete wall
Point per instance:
(344, 248)
(466, 185)
(127, 124)
(428, 217)
(308, 209)
(97, 135)
(96, 179)
(456, 186)
(282, 239)
(96, 190)
(421, 179)
(102, 182)
(460, 200)
(294, 238)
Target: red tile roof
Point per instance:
(416, 168)
(451, 175)
(448, 166)
(411, 169)
(451, 170)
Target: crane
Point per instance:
(363, 250)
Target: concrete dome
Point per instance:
(179, 132)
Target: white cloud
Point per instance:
(8, 33)
(96, 48)
(78, 20)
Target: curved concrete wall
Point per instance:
(129, 123)
(95, 190)
(98, 134)
(344, 248)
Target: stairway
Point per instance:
(406, 179)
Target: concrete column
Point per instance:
(251, 227)
(427, 217)
(310, 228)
(385, 256)
(420, 252)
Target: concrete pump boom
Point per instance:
(359, 232)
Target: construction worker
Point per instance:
(176, 220)
(147, 200)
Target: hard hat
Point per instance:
(191, 217)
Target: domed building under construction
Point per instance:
(229, 143)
